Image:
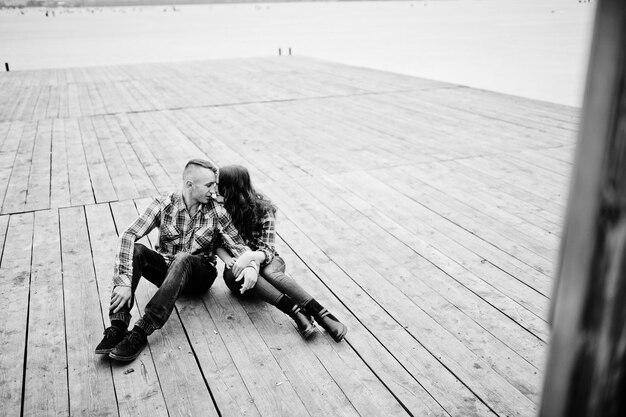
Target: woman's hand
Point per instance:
(241, 262)
(229, 263)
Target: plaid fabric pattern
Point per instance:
(178, 232)
(265, 239)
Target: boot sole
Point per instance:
(308, 334)
(103, 351)
(127, 358)
(340, 336)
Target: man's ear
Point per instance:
(188, 183)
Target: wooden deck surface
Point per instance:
(425, 215)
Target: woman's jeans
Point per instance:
(271, 284)
(186, 274)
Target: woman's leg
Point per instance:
(268, 293)
(274, 273)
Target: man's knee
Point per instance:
(181, 257)
(140, 250)
(229, 279)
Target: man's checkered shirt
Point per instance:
(178, 232)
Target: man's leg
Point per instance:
(186, 272)
(148, 263)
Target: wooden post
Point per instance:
(279, 52)
(586, 370)
(289, 51)
(6, 65)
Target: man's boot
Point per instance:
(112, 336)
(303, 322)
(333, 327)
(131, 345)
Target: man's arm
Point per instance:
(123, 270)
(150, 218)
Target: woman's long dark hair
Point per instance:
(243, 203)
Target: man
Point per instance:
(191, 223)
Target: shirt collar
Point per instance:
(179, 203)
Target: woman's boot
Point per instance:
(328, 322)
(303, 322)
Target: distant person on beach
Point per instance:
(190, 224)
(254, 217)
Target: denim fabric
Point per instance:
(186, 274)
(271, 284)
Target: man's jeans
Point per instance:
(272, 283)
(187, 274)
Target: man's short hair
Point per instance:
(204, 163)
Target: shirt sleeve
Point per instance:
(229, 236)
(267, 241)
(123, 269)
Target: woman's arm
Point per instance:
(245, 259)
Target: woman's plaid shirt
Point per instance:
(178, 232)
(264, 240)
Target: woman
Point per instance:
(254, 218)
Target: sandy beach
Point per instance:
(537, 49)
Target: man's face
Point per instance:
(203, 185)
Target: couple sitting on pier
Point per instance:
(193, 227)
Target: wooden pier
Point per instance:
(425, 215)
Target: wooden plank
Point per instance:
(120, 177)
(14, 298)
(269, 388)
(40, 107)
(4, 223)
(219, 151)
(54, 104)
(412, 373)
(521, 239)
(60, 180)
(466, 274)
(101, 182)
(228, 388)
(38, 196)
(24, 106)
(95, 99)
(90, 382)
(169, 157)
(398, 263)
(137, 386)
(518, 281)
(81, 191)
(73, 104)
(330, 378)
(134, 165)
(143, 148)
(488, 379)
(8, 153)
(184, 387)
(84, 101)
(15, 197)
(45, 386)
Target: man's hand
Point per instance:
(249, 276)
(121, 295)
(241, 263)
